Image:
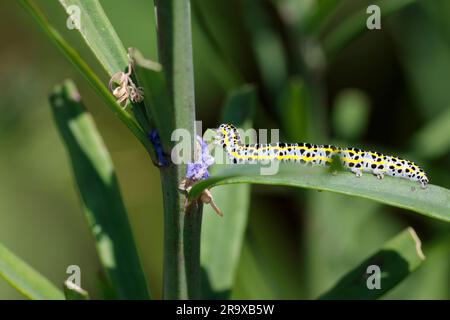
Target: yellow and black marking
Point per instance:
(356, 160)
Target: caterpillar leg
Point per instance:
(379, 175)
(424, 183)
(357, 172)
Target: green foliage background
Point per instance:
(386, 90)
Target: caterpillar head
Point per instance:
(423, 181)
(220, 134)
(419, 175)
(226, 135)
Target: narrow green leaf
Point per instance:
(431, 280)
(25, 279)
(74, 292)
(355, 25)
(396, 260)
(99, 34)
(433, 202)
(219, 258)
(99, 192)
(73, 56)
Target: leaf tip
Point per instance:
(418, 243)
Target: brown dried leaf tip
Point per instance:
(206, 196)
(124, 89)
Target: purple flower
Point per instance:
(199, 169)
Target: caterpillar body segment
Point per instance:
(356, 160)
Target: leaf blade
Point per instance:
(433, 202)
(80, 64)
(396, 260)
(99, 191)
(25, 279)
(99, 34)
(74, 292)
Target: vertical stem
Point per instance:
(181, 229)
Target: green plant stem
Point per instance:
(181, 228)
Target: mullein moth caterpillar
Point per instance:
(355, 160)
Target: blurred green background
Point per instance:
(386, 90)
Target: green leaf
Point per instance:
(219, 258)
(99, 34)
(25, 279)
(430, 281)
(73, 56)
(362, 219)
(102, 39)
(99, 192)
(74, 292)
(355, 25)
(396, 260)
(433, 202)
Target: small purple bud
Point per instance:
(156, 141)
(199, 169)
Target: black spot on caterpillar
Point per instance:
(356, 160)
